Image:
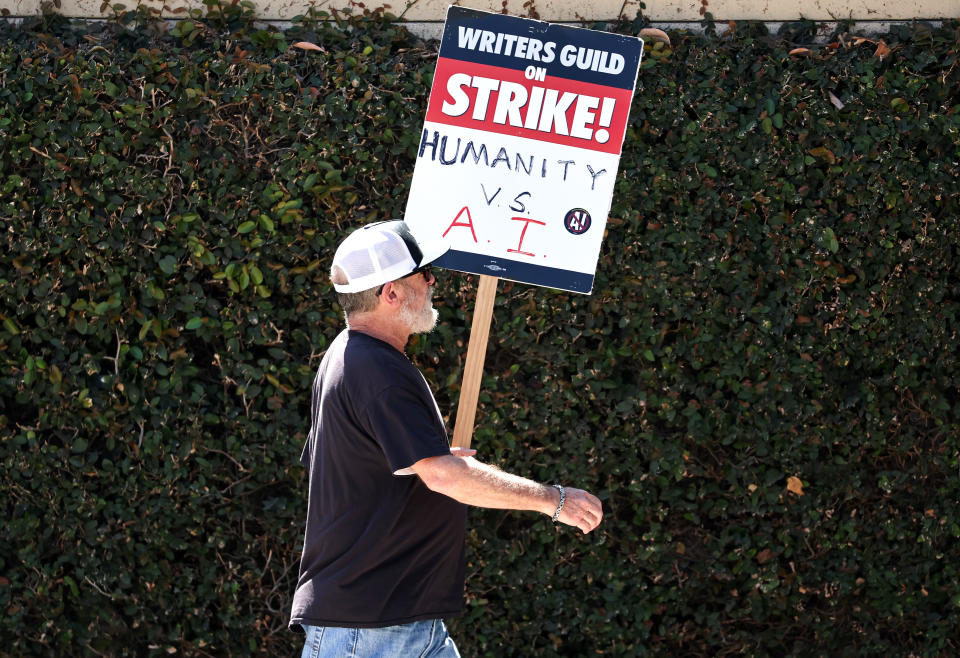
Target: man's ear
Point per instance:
(392, 294)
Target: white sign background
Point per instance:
(516, 165)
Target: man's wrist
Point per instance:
(560, 502)
(551, 498)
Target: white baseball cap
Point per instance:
(381, 252)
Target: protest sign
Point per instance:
(518, 158)
(519, 152)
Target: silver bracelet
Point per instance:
(563, 497)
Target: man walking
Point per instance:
(383, 556)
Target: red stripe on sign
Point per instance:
(504, 101)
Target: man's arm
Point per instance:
(474, 483)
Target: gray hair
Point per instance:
(354, 302)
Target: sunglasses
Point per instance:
(426, 271)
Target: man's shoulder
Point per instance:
(369, 360)
(357, 344)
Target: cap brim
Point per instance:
(432, 251)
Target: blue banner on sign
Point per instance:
(510, 42)
(513, 270)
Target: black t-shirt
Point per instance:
(380, 547)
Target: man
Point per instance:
(383, 555)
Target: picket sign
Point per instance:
(518, 158)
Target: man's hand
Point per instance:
(462, 453)
(580, 509)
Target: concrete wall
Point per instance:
(660, 11)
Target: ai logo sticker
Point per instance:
(577, 221)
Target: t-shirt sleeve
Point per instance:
(406, 425)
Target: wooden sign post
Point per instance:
(473, 370)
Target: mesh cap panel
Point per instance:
(357, 264)
(393, 252)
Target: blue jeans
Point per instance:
(420, 639)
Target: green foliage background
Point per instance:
(763, 387)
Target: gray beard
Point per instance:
(422, 320)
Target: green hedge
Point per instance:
(763, 387)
